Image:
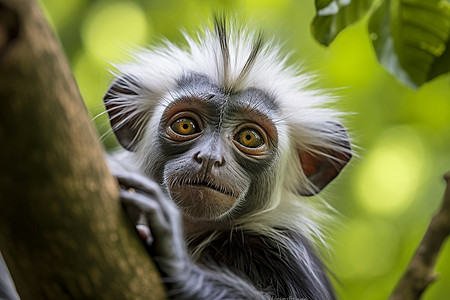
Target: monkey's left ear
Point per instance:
(323, 164)
(123, 118)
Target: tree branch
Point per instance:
(63, 233)
(420, 272)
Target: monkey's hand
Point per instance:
(147, 205)
(157, 219)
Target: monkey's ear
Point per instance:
(323, 164)
(123, 118)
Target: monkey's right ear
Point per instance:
(123, 116)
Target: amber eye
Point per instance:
(184, 126)
(249, 137)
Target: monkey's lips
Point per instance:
(203, 200)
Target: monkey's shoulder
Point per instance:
(282, 264)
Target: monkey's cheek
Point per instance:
(202, 202)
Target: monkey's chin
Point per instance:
(202, 202)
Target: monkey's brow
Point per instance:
(254, 102)
(196, 102)
(252, 111)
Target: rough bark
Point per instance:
(63, 234)
(420, 272)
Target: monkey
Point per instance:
(223, 142)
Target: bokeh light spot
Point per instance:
(431, 105)
(350, 60)
(390, 174)
(260, 4)
(110, 27)
(61, 13)
(367, 249)
(92, 78)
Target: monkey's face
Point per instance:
(213, 149)
(225, 125)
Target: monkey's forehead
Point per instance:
(245, 73)
(200, 87)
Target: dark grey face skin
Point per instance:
(212, 157)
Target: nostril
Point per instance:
(219, 163)
(197, 158)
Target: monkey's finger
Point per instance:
(139, 182)
(152, 210)
(144, 230)
(145, 234)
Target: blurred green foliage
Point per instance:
(387, 195)
(411, 38)
(334, 16)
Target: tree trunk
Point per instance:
(63, 233)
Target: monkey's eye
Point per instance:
(184, 126)
(249, 137)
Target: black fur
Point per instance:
(276, 270)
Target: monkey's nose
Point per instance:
(214, 159)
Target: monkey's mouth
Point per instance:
(213, 186)
(203, 199)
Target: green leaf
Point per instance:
(412, 39)
(334, 15)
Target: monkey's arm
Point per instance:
(7, 288)
(184, 278)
